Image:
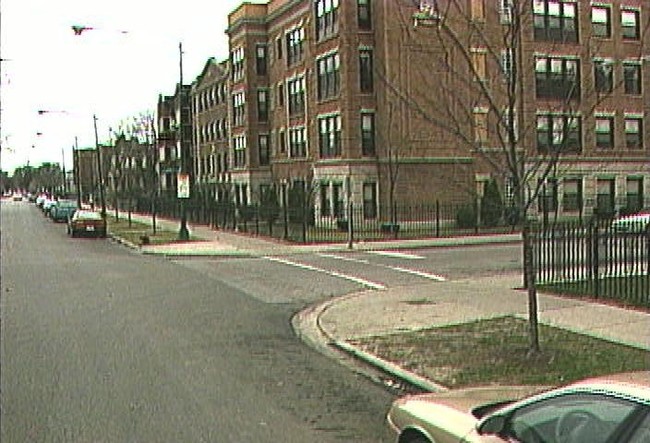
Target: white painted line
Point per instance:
(396, 254)
(361, 281)
(340, 257)
(419, 273)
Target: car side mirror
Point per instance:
(492, 424)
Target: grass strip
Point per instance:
(496, 351)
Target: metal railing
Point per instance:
(597, 259)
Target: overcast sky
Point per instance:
(104, 71)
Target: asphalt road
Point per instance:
(101, 344)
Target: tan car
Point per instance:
(85, 222)
(609, 409)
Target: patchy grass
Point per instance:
(135, 231)
(496, 351)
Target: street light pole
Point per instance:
(99, 169)
(183, 233)
(77, 166)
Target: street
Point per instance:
(103, 344)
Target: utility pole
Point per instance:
(99, 169)
(183, 233)
(77, 166)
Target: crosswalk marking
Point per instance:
(340, 257)
(397, 254)
(361, 281)
(419, 273)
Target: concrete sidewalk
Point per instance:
(338, 320)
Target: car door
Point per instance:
(572, 418)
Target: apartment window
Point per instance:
(237, 62)
(239, 144)
(238, 107)
(261, 59)
(604, 76)
(295, 49)
(365, 70)
(506, 11)
(477, 10)
(630, 24)
(369, 201)
(633, 133)
(559, 132)
(280, 94)
(368, 134)
(572, 196)
(555, 20)
(634, 194)
(601, 25)
(363, 14)
(296, 89)
(478, 63)
(329, 136)
(509, 124)
(328, 76)
(263, 105)
(327, 22)
(337, 199)
(604, 132)
(325, 205)
(547, 201)
(297, 143)
(507, 64)
(278, 48)
(480, 126)
(557, 77)
(605, 197)
(632, 78)
(263, 147)
(282, 141)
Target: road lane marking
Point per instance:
(396, 254)
(340, 257)
(361, 281)
(419, 273)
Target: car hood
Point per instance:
(453, 413)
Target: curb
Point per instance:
(390, 368)
(306, 325)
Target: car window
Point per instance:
(571, 418)
(642, 433)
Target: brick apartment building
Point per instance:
(210, 95)
(365, 100)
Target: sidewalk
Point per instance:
(337, 321)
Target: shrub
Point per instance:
(491, 205)
(466, 217)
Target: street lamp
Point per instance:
(183, 178)
(99, 169)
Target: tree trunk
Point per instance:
(529, 270)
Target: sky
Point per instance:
(115, 71)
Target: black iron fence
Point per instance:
(301, 224)
(600, 259)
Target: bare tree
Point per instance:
(478, 93)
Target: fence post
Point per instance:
(595, 259)
(437, 218)
(350, 229)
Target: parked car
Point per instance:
(608, 409)
(84, 222)
(63, 210)
(40, 200)
(47, 205)
(637, 222)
